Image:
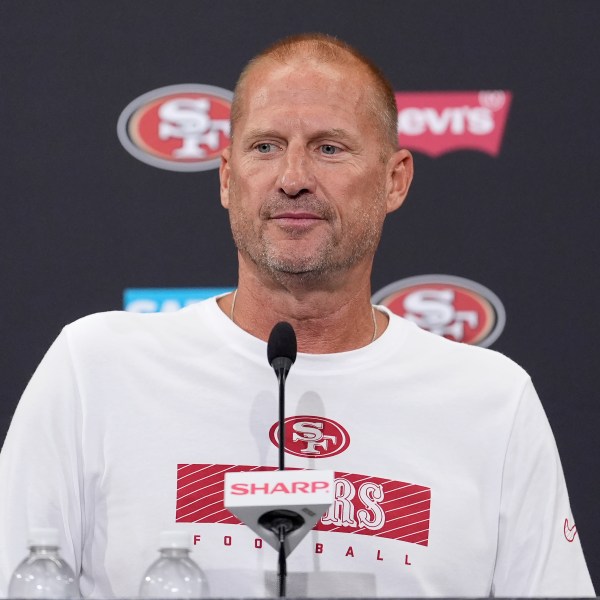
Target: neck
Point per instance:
(326, 319)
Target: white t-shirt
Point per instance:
(448, 482)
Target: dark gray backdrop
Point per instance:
(82, 219)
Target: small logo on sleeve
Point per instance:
(570, 532)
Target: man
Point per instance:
(448, 482)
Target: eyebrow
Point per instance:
(259, 133)
(334, 132)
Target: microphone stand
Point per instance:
(281, 380)
(281, 352)
(283, 527)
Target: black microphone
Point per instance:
(282, 349)
(281, 352)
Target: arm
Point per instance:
(41, 464)
(535, 557)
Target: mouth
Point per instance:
(297, 215)
(296, 219)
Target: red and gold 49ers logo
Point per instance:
(453, 307)
(311, 437)
(178, 128)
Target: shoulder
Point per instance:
(120, 330)
(122, 322)
(447, 358)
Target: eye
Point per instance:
(329, 149)
(264, 148)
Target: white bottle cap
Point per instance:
(43, 536)
(175, 539)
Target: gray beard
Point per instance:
(330, 258)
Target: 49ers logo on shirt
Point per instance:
(311, 437)
(363, 505)
(453, 307)
(178, 128)
(438, 122)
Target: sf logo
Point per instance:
(434, 310)
(189, 120)
(311, 437)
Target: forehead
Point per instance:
(334, 90)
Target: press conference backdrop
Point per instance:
(110, 192)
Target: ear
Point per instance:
(399, 174)
(224, 176)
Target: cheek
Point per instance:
(364, 211)
(250, 184)
(244, 204)
(360, 196)
(239, 193)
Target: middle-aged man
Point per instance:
(448, 482)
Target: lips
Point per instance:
(301, 216)
(296, 221)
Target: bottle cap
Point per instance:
(43, 536)
(175, 539)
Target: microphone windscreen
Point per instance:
(282, 342)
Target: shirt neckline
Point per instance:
(255, 349)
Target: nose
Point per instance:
(296, 176)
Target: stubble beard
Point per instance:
(334, 254)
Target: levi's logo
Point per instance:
(363, 504)
(438, 122)
(311, 437)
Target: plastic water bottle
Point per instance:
(43, 574)
(174, 574)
